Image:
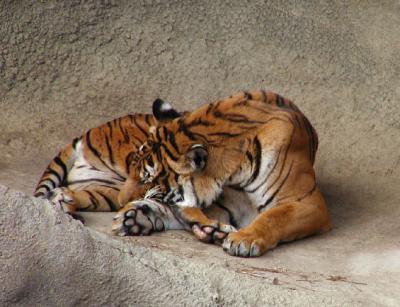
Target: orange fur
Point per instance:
(257, 142)
(108, 151)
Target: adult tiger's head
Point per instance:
(171, 155)
(191, 155)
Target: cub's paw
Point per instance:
(212, 232)
(62, 197)
(244, 244)
(136, 219)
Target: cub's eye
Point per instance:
(144, 178)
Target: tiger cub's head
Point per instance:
(172, 155)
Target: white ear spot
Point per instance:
(196, 146)
(165, 107)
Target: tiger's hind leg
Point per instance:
(285, 222)
(95, 198)
(62, 197)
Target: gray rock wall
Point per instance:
(66, 66)
(48, 259)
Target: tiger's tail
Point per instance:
(56, 172)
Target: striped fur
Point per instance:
(91, 172)
(257, 143)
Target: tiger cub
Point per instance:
(256, 149)
(93, 172)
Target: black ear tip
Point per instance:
(163, 111)
(157, 105)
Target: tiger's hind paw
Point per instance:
(215, 232)
(62, 197)
(136, 219)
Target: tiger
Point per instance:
(251, 155)
(93, 172)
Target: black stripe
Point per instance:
(169, 153)
(43, 186)
(199, 122)
(184, 130)
(165, 182)
(232, 220)
(264, 96)
(146, 134)
(93, 200)
(147, 119)
(166, 149)
(309, 192)
(257, 159)
(128, 160)
(271, 198)
(97, 154)
(247, 95)
(75, 141)
(110, 203)
(110, 128)
(280, 172)
(210, 106)
(309, 132)
(53, 172)
(109, 187)
(249, 157)
(61, 164)
(225, 134)
(110, 151)
(299, 199)
(296, 117)
(91, 180)
(235, 118)
(279, 101)
(125, 134)
(171, 138)
(261, 110)
(52, 182)
(267, 177)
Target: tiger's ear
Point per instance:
(163, 111)
(197, 156)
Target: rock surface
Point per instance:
(66, 66)
(49, 259)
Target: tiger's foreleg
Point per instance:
(284, 222)
(205, 229)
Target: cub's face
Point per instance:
(167, 164)
(169, 158)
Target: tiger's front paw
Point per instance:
(243, 244)
(136, 220)
(213, 232)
